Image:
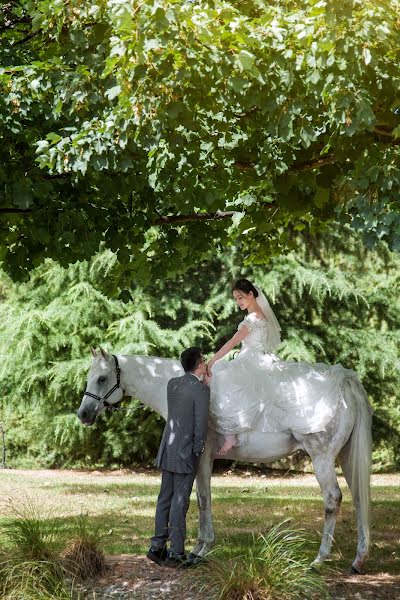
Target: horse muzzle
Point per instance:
(88, 412)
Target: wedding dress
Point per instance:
(256, 391)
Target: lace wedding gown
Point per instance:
(257, 391)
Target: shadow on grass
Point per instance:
(240, 511)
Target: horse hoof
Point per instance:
(355, 571)
(316, 567)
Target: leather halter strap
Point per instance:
(116, 386)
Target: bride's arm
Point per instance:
(234, 341)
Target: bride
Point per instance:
(258, 391)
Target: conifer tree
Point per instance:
(335, 300)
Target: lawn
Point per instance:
(123, 504)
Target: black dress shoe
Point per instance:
(176, 561)
(157, 555)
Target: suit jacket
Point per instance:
(186, 427)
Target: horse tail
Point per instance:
(361, 456)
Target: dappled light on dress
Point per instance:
(259, 392)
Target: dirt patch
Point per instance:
(131, 577)
(379, 586)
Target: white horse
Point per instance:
(347, 439)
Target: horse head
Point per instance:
(103, 387)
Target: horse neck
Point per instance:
(146, 378)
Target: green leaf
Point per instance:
(321, 197)
(367, 55)
(245, 60)
(113, 92)
(22, 195)
(54, 138)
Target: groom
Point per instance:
(178, 457)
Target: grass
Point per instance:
(43, 557)
(273, 566)
(82, 557)
(124, 505)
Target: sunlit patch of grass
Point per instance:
(274, 565)
(120, 490)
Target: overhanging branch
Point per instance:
(386, 136)
(12, 209)
(313, 164)
(28, 37)
(167, 220)
(316, 163)
(194, 217)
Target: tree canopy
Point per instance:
(167, 129)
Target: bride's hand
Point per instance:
(207, 378)
(209, 366)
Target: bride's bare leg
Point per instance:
(229, 442)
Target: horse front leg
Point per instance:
(206, 537)
(324, 467)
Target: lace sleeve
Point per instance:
(250, 321)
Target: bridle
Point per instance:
(116, 386)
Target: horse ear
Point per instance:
(93, 351)
(103, 352)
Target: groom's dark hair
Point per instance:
(191, 358)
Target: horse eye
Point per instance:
(101, 379)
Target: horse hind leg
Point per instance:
(324, 467)
(344, 460)
(355, 460)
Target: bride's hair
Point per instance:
(244, 285)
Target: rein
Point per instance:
(116, 386)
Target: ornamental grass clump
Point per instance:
(275, 567)
(42, 558)
(30, 567)
(33, 580)
(82, 557)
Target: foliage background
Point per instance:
(145, 124)
(336, 302)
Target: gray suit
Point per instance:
(181, 445)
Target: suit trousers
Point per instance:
(172, 505)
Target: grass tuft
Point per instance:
(32, 535)
(275, 566)
(82, 557)
(32, 580)
(41, 561)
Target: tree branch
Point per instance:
(11, 209)
(216, 216)
(313, 164)
(387, 135)
(26, 38)
(194, 217)
(244, 166)
(304, 166)
(381, 130)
